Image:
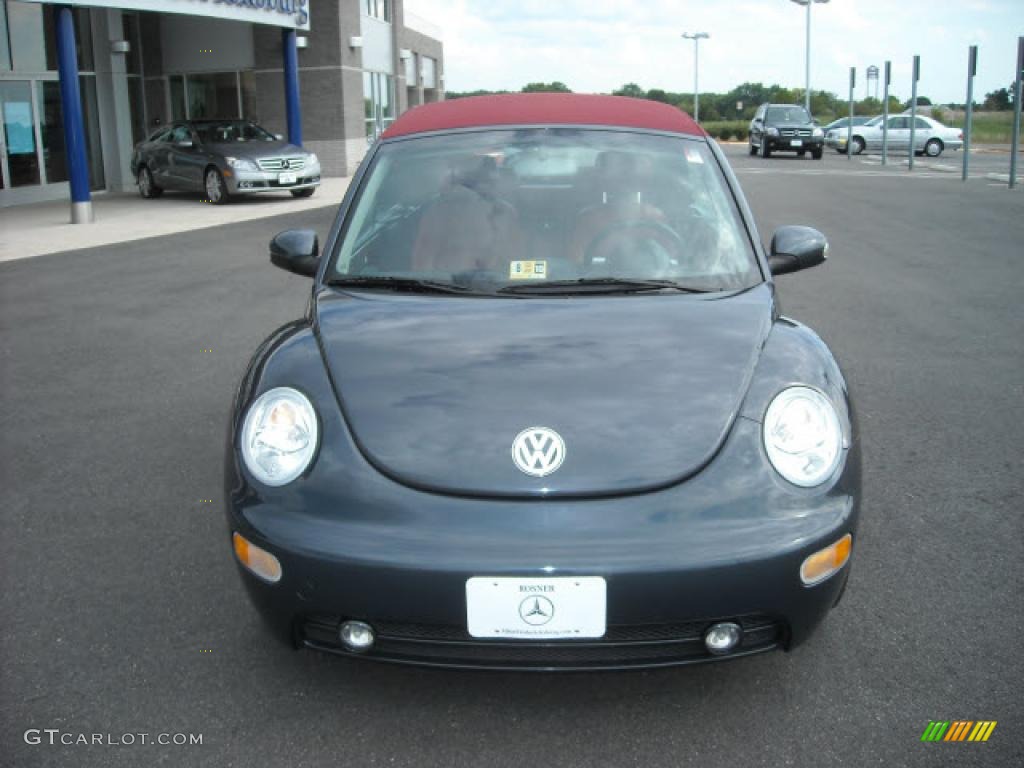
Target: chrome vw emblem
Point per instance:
(538, 451)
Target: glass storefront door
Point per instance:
(20, 145)
(33, 161)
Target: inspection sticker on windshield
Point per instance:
(527, 270)
(693, 156)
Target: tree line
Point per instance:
(741, 102)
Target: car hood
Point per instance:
(642, 389)
(793, 126)
(252, 150)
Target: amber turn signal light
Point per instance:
(825, 562)
(257, 560)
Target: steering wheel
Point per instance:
(641, 247)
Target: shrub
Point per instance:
(726, 130)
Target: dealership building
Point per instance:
(81, 81)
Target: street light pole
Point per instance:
(807, 62)
(696, 37)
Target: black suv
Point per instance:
(785, 128)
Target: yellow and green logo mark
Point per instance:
(958, 730)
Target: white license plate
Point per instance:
(536, 609)
(796, 143)
(287, 178)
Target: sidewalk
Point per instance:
(39, 228)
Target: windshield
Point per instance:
(787, 115)
(230, 131)
(546, 206)
(874, 121)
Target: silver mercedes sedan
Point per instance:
(221, 159)
(930, 136)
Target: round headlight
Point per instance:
(279, 436)
(802, 436)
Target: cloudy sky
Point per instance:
(597, 45)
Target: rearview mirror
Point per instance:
(796, 248)
(296, 250)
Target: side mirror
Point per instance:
(796, 248)
(296, 250)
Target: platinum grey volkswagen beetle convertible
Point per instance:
(222, 159)
(543, 411)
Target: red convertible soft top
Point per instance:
(544, 109)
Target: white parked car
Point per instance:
(930, 136)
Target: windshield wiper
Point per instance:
(395, 283)
(600, 285)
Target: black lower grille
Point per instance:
(622, 646)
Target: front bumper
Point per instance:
(242, 182)
(725, 545)
(836, 142)
(785, 143)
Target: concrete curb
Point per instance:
(42, 228)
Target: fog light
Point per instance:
(356, 636)
(826, 562)
(257, 560)
(722, 637)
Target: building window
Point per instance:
(410, 71)
(28, 38)
(212, 95)
(91, 118)
(247, 80)
(51, 128)
(132, 32)
(83, 39)
(25, 36)
(177, 89)
(378, 103)
(378, 9)
(131, 29)
(428, 71)
(5, 37)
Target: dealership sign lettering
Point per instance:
(280, 13)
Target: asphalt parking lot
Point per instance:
(122, 612)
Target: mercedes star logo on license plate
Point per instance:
(536, 610)
(538, 451)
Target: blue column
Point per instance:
(291, 86)
(74, 126)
